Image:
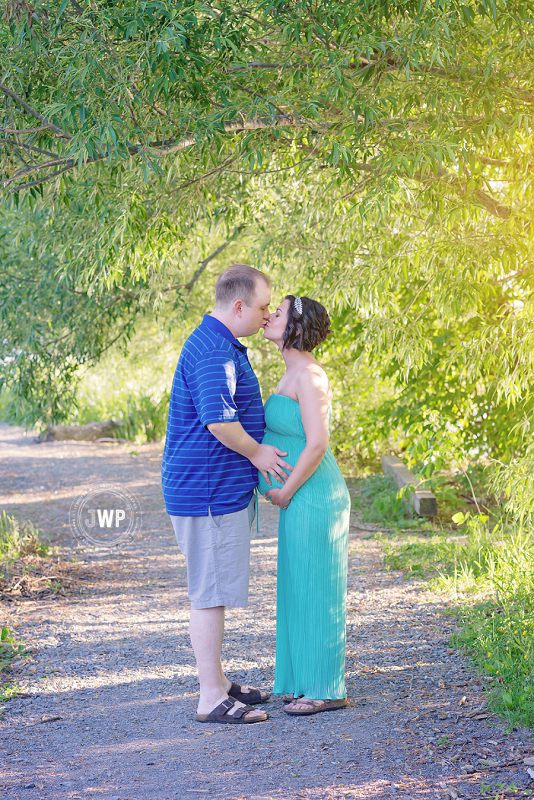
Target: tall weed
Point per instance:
(19, 538)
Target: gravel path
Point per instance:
(111, 685)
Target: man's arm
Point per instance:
(266, 458)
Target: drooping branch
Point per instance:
(486, 200)
(173, 145)
(42, 180)
(203, 264)
(493, 162)
(219, 168)
(25, 146)
(164, 146)
(385, 63)
(238, 126)
(34, 113)
(491, 205)
(259, 65)
(26, 130)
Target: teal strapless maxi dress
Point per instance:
(312, 567)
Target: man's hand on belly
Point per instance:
(266, 458)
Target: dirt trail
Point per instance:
(111, 687)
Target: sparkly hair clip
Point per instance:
(297, 303)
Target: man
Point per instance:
(209, 473)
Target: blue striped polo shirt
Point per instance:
(213, 382)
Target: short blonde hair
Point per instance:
(238, 282)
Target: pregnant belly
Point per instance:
(293, 448)
(324, 488)
(263, 486)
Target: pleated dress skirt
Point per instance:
(312, 567)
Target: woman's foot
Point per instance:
(303, 704)
(304, 707)
(288, 698)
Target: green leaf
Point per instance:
(507, 699)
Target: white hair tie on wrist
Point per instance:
(297, 303)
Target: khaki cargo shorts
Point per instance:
(217, 554)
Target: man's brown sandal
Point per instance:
(327, 705)
(220, 714)
(252, 696)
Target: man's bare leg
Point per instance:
(206, 629)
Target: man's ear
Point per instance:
(238, 305)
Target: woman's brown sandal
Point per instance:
(288, 698)
(326, 705)
(220, 714)
(252, 696)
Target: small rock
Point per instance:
(531, 772)
(29, 786)
(529, 761)
(469, 768)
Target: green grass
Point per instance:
(376, 499)
(9, 651)
(143, 416)
(484, 564)
(18, 539)
(416, 555)
(489, 572)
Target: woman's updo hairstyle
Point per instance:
(308, 323)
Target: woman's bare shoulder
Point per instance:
(313, 376)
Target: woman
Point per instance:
(314, 518)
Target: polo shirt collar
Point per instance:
(218, 327)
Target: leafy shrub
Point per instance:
(145, 418)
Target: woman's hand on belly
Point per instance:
(278, 497)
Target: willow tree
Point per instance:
(378, 150)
